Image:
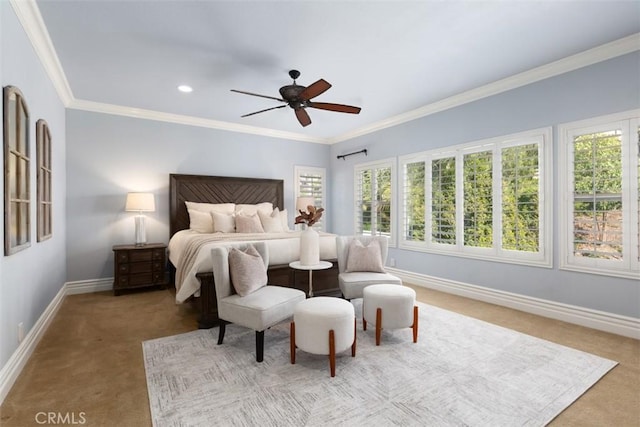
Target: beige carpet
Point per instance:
(91, 360)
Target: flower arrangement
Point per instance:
(310, 217)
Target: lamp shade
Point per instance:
(303, 202)
(140, 202)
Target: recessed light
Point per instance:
(185, 88)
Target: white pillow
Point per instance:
(264, 207)
(227, 208)
(284, 217)
(271, 223)
(247, 270)
(248, 224)
(364, 258)
(200, 221)
(223, 223)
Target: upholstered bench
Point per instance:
(323, 325)
(390, 307)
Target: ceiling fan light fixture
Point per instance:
(185, 88)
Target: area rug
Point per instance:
(462, 372)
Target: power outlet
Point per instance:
(392, 262)
(20, 332)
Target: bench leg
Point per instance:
(259, 346)
(332, 353)
(378, 325)
(353, 346)
(415, 323)
(221, 331)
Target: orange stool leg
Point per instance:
(415, 323)
(332, 353)
(378, 325)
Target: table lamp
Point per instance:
(140, 202)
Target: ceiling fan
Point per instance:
(299, 98)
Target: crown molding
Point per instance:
(29, 15)
(140, 113)
(33, 24)
(601, 53)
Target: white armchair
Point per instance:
(260, 309)
(353, 282)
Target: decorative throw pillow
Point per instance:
(200, 221)
(248, 224)
(223, 223)
(271, 223)
(247, 270)
(284, 218)
(364, 258)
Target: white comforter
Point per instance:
(190, 253)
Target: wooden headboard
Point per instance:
(218, 189)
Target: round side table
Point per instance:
(322, 265)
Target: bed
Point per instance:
(189, 251)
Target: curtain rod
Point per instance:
(343, 156)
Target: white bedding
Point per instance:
(190, 253)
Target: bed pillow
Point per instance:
(284, 218)
(264, 207)
(271, 223)
(248, 224)
(364, 258)
(200, 221)
(247, 270)
(227, 208)
(223, 222)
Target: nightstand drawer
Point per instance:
(141, 255)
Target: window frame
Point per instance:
(44, 181)
(544, 257)
(372, 166)
(299, 171)
(629, 123)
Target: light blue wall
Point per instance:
(108, 156)
(604, 88)
(30, 279)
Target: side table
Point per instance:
(322, 265)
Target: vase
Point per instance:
(309, 247)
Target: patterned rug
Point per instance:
(462, 372)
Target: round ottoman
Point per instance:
(323, 325)
(390, 307)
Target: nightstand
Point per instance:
(139, 266)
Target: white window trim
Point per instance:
(389, 162)
(301, 170)
(630, 266)
(544, 258)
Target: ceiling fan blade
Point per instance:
(303, 117)
(335, 107)
(255, 94)
(262, 111)
(314, 90)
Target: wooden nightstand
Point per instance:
(139, 266)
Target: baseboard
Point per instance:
(88, 286)
(600, 320)
(12, 369)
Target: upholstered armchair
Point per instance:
(260, 306)
(361, 262)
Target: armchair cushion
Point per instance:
(247, 270)
(364, 258)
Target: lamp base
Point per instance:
(141, 234)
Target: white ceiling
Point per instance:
(388, 57)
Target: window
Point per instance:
(43, 148)
(311, 182)
(17, 205)
(600, 186)
(483, 199)
(374, 210)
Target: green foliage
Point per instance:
(478, 199)
(443, 200)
